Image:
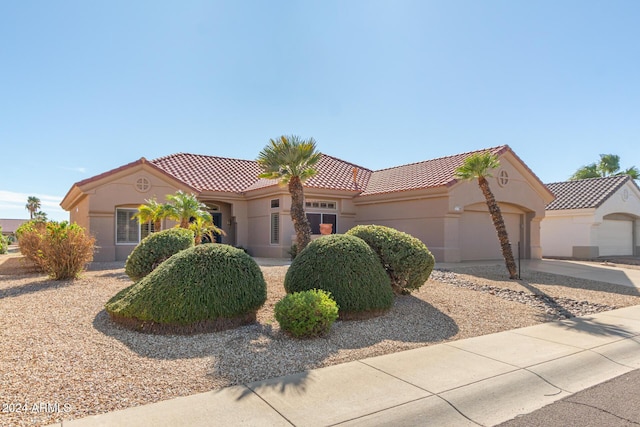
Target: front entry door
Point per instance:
(217, 221)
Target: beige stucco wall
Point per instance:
(120, 192)
(422, 218)
(259, 221)
(447, 220)
(520, 195)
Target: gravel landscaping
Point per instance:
(62, 358)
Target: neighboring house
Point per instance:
(9, 226)
(592, 217)
(423, 199)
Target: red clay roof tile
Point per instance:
(425, 174)
(211, 173)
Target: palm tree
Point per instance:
(184, 208)
(478, 166)
(153, 212)
(292, 160)
(33, 205)
(40, 216)
(202, 227)
(609, 165)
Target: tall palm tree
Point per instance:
(478, 166)
(183, 208)
(33, 205)
(292, 160)
(153, 212)
(609, 165)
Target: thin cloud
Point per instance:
(78, 169)
(11, 200)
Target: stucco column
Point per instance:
(534, 236)
(450, 250)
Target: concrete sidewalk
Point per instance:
(479, 381)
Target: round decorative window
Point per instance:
(143, 185)
(503, 178)
(625, 195)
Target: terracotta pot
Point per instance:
(326, 228)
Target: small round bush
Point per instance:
(202, 288)
(347, 268)
(407, 260)
(306, 314)
(154, 249)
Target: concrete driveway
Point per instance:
(602, 272)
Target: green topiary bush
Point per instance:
(199, 289)
(306, 314)
(156, 248)
(407, 260)
(347, 268)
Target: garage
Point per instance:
(615, 237)
(478, 237)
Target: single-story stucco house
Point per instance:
(423, 199)
(592, 217)
(9, 226)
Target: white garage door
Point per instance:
(478, 237)
(615, 237)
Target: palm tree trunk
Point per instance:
(300, 222)
(501, 229)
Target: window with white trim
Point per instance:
(320, 204)
(315, 219)
(275, 228)
(127, 227)
(128, 230)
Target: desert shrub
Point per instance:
(156, 248)
(60, 249)
(29, 237)
(407, 260)
(202, 288)
(4, 243)
(346, 267)
(307, 313)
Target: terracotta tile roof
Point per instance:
(210, 173)
(426, 174)
(584, 193)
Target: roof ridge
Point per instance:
(174, 155)
(590, 179)
(347, 162)
(491, 149)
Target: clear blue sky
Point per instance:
(88, 86)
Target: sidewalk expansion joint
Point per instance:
(269, 405)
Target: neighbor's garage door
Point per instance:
(615, 237)
(478, 238)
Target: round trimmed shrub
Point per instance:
(407, 260)
(154, 249)
(202, 288)
(306, 314)
(346, 267)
